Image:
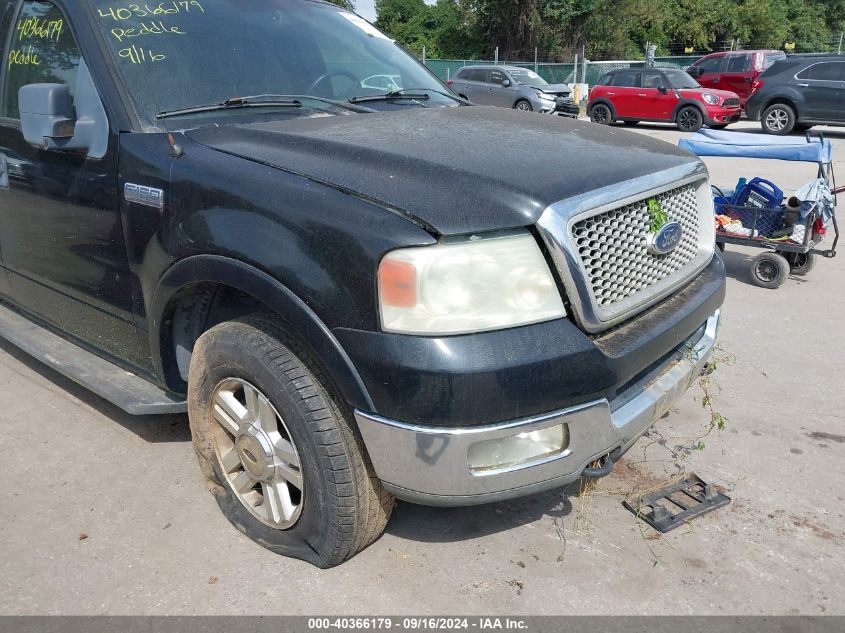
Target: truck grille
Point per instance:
(613, 248)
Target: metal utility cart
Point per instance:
(754, 214)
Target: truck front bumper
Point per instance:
(431, 465)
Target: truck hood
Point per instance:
(451, 170)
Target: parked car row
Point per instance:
(785, 94)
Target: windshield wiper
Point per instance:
(414, 94)
(392, 96)
(260, 101)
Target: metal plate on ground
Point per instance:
(677, 504)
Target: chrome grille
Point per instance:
(613, 248)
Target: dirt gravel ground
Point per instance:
(103, 513)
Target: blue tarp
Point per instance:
(740, 145)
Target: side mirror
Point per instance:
(47, 114)
(506, 83)
(662, 89)
(694, 71)
(52, 120)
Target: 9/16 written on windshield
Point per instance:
(139, 22)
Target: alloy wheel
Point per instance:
(688, 120)
(257, 454)
(524, 106)
(777, 119)
(600, 114)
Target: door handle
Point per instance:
(611, 94)
(804, 85)
(641, 94)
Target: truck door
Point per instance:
(6, 11)
(60, 226)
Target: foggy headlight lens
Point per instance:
(473, 285)
(516, 450)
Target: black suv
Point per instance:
(257, 213)
(798, 93)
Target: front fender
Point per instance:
(273, 294)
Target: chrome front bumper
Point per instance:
(429, 465)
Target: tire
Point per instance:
(801, 263)
(523, 105)
(778, 119)
(689, 119)
(631, 123)
(769, 270)
(341, 507)
(601, 114)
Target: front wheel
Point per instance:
(778, 119)
(601, 114)
(524, 106)
(690, 119)
(283, 460)
(769, 270)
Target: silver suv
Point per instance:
(513, 87)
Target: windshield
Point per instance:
(679, 79)
(528, 77)
(184, 53)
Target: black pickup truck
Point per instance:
(358, 285)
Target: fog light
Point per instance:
(518, 450)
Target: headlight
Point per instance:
(711, 99)
(547, 97)
(472, 285)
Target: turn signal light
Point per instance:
(398, 283)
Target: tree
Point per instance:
(346, 4)
(466, 29)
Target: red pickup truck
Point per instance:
(736, 71)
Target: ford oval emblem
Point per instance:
(666, 240)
